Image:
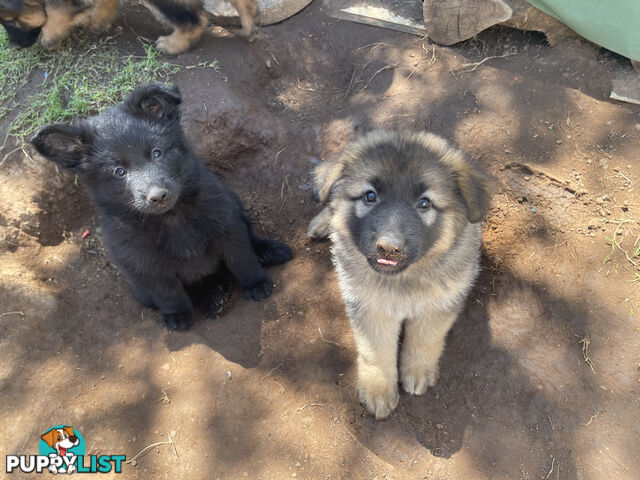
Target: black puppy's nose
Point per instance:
(390, 245)
(73, 439)
(157, 195)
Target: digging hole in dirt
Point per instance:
(62, 212)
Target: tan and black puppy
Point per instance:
(404, 213)
(24, 20)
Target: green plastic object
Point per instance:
(613, 24)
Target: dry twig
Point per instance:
(475, 65)
(380, 70)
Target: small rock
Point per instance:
(313, 160)
(305, 186)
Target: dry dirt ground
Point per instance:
(267, 390)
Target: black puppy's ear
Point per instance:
(326, 175)
(12, 5)
(155, 101)
(475, 188)
(65, 145)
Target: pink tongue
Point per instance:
(63, 451)
(384, 261)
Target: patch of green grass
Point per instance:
(80, 78)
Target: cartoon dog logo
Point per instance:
(61, 439)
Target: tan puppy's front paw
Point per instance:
(416, 378)
(378, 396)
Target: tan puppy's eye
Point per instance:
(370, 196)
(424, 203)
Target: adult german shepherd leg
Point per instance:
(59, 23)
(376, 337)
(187, 19)
(248, 12)
(103, 15)
(422, 346)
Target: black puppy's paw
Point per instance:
(177, 321)
(260, 290)
(273, 252)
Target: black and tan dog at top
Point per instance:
(168, 222)
(404, 213)
(53, 20)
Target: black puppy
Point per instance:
(168, 221)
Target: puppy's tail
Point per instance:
(320, 225)
(271, 252)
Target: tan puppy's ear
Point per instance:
(69, 431)
(50, 437)
(475, 188)
(326, 175)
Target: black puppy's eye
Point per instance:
(156, 153)
(370, 196)
(119, 172)
(424, 203)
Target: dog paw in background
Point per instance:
(53, 20)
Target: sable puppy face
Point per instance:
(131, 155)
(399, 195)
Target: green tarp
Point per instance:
(613, 24)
